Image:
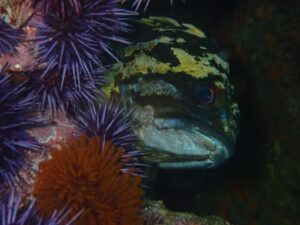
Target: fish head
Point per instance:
(180, 95)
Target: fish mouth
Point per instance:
(172, 133)
(184, 143)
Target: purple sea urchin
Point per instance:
(74, 43)
(16, 115)
(11, 212)
(52, 96)
(109, 121)
(57, 5)
(9, 38)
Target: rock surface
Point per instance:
(155, 213)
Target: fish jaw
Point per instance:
(190, 144)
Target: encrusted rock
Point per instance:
(155, 213)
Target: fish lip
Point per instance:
(209, 131)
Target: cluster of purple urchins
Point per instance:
(11, 212)
(9, 38)
(16, 116)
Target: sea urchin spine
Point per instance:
(9, 38)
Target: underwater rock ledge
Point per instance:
(156, 213)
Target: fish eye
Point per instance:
(204, 95)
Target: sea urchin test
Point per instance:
(178, 87)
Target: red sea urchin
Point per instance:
(85, 176)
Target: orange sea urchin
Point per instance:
(83, 176)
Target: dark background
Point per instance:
(260, 183)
